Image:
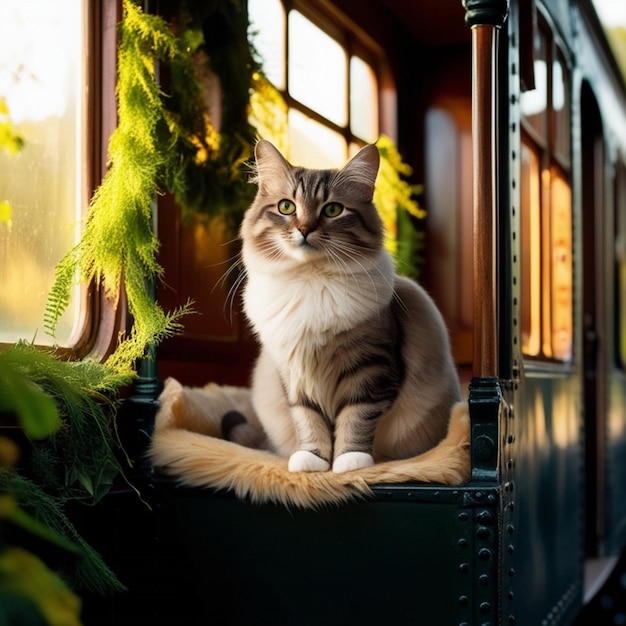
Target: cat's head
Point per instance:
(302, 216)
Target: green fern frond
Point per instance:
(86, 396)
(87, 570)
(61, 292)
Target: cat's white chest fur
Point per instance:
(310, 306)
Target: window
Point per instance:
(546, 203)
(620, 264)
(43, 189)
(329, 80)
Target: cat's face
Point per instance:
(322, 217)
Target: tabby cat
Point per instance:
(355, 363)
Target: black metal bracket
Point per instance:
(485, 401)
(485, 12)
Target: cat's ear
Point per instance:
(271, 166)
(360, 172)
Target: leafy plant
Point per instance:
(55, 401)
(395, 200)
(26, 583)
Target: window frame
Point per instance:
(554, 166)
(355, 43)
(100, 318)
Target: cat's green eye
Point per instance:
(286, 207)
(332, 209)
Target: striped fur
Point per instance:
(355, 364)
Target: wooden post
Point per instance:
(485, 18)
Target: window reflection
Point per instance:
(562, 291)
(534, 103)
(267, 28)
(313, 144)
(332, 92)
(42, 82)
(531, 253)
(546, 210)
(620, 263)
(561, 108)
(317, 67)
(363, 100)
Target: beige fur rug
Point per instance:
(187, 444)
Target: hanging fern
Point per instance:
(395, 200)
(81, 458)
(119, 239)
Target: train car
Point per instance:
(531, 537)
(512, 114)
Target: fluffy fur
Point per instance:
(355, 364)
(187, 443)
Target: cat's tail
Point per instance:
(190, 448)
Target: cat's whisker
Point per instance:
(352, 254)
(229, 302)
(236, 265)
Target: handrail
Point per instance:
(485, 17)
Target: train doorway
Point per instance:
(593, 158)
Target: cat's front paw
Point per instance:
(349, 461)
(305, 461)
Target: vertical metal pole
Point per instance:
(485, 18)
(485, 357)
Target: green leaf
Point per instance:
(5, 211)
(24, 575)
(9, 510)
(36, 410)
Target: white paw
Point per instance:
(349, 461)
(305, 461)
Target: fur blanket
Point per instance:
(187, 444)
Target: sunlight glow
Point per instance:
(42, 80)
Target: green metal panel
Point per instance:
(415, 555)
(549, 492)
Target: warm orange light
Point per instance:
(561, 258)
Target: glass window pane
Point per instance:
(620, 263)
(560, 104)
(317, 69)
(313, 144)
(363, 100)
(531, 252)
(534, 103)
(562, 292)
(42, 83)
(267, 29)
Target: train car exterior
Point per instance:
(546, 396)
(528, 539)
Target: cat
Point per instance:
(355, 364)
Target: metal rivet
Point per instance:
(484, 554)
